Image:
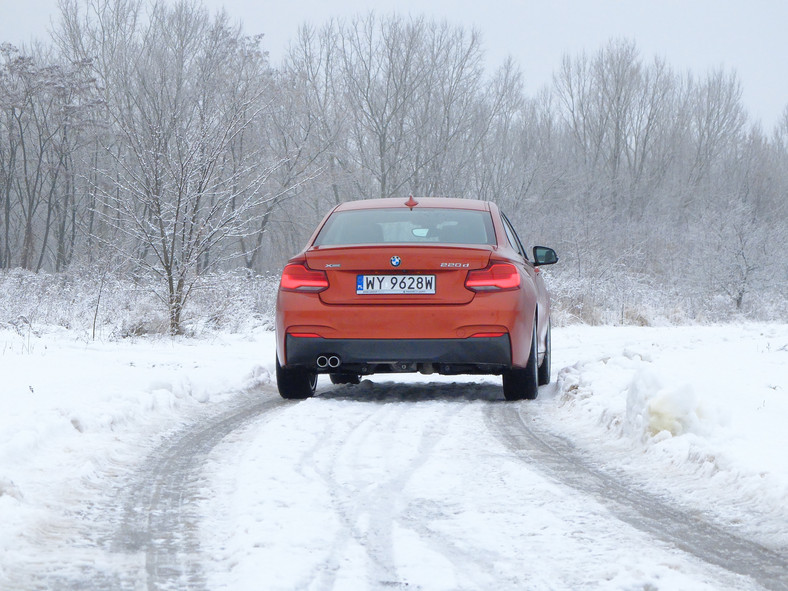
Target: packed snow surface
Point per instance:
(401, 481)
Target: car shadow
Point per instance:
(391, 391)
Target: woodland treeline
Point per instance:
(156, 139)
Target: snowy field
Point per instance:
(416, 482)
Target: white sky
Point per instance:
(747, 36)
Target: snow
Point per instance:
(401, 495)
(397, 481)
(698, 412)
(78, 413)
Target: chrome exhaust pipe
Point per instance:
(322, 361)
(334, 361)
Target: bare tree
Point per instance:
(382, 73)
(717, 121)
(181, 89)
(44, 105)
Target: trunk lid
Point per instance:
(449, 265)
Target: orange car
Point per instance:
(436, 285)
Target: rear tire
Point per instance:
(519, 384)
(544, 369)
(295, 383)
(345, 378)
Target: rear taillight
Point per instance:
(496, 277)
(297, 277)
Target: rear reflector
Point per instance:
(297, 277)
(496, 277)
(487, 335)
(304, 335)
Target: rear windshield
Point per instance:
(425, 225)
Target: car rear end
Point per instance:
(384, 287)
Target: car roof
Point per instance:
(423, 202)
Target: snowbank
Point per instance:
(694, 412)
(77, 414)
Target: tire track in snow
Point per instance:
(557, 458)
(145, 536)
(370, 508)
(160, 514)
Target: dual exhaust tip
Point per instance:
(331, 361)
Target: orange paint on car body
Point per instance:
(388, 285)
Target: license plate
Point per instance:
(395, 284)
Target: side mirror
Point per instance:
(544, 256)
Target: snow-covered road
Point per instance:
(424, 482)
(409, 486)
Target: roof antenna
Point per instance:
(411, 202)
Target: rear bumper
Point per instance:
(481, 354)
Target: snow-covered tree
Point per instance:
(45, 110)
(181, 90)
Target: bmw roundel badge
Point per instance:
(395, 261)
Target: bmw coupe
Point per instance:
(434, 285)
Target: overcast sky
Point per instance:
(748, 36)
